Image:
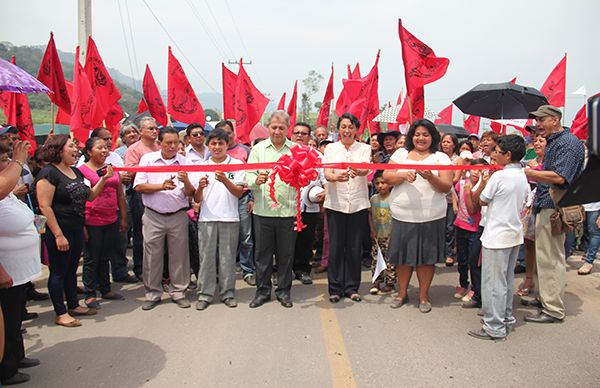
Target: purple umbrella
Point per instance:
(15, 79)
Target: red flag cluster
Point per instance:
(361, 98)
(183, 105)
(323, 118)
(242, 101)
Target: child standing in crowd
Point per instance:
(468, 234)
(380, 223)
(218, 224)
(504, 193)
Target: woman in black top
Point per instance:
(61, 194)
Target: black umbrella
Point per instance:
(452, 129)
(501, 101)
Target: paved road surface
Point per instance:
(316, 344)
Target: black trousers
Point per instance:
(101, 244)
(304, 243)
(274, 236)
(13, 303)
(345, 250)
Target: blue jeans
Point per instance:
(245, 243)
(593, 235)
(468, 251)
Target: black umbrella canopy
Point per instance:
(501, 101)
(452, 129)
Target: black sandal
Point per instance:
(355, 297)
(334, 298)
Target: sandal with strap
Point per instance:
(334, 298)
(585, 269)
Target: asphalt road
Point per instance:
(316, 344)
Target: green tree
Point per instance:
(310, 86)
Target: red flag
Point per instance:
(349, 72)
(142, 107)
(360, 97)
(498, 127)
(113, 121)
(229, 82)
(153, 100)
(323, 118)
(579, 127)
(105, 91)
(471, 124)
(421, 66)
(356, 72)
(51, 75)
(183, 103)
(83, 106)
(416, 100)
(281, 105)
(249, 103)
(18, 114)
(291, 109)
(63, 117)
(555, 85)
(445, 116)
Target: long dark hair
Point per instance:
(433, 132)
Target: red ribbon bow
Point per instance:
(297, 170)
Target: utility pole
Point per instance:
(84, 26)
(230, 62)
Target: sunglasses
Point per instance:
(196, 134)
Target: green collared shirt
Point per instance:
(265, 151)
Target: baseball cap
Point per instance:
(545, 110)
(466, 155)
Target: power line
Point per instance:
(211, 37)
(178, 47)
(126, 44)
(137, 67)
(236, 28)
(223, 36)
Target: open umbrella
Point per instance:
(501, 101)
(14, 79)
(388, 115)
(452, 129)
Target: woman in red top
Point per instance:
(101, 222)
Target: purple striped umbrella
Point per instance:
(15, 79)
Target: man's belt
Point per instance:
(169, 213)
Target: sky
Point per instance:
(486, 41)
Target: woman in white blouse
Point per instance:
(346, 206)
(418, 206)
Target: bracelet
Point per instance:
(17, 162)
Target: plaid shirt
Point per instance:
(564, 155)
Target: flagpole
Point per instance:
(51, 118)
(410, 118)
(565, 107)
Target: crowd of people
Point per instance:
(196, 230)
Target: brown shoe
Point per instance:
(86, 311)
(73, 323)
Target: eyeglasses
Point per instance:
(196, 134)
(300, 133)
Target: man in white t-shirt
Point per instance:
(218, 223)
(505, 193)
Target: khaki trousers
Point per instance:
(551, 267)
(172, 229)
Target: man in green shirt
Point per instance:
(274, 226)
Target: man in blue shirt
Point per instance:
(563, 162)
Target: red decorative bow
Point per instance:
(297, 170)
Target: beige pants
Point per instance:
(173, 229)
(551, 267)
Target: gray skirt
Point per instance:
(417, 243)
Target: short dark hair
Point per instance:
(454, 140)
(378, 174)
(324, 142)
(224, 123)
(303, 124)
(218, 134)
(513, 143)
(188, 129)
(52, 148)
(89, 144)
(433, 132)
(353, 119)
(468, 143)
(477, 161)
(96, 131)
(165, 130)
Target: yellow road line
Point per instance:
(339, 362)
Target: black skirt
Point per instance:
(417, 243)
